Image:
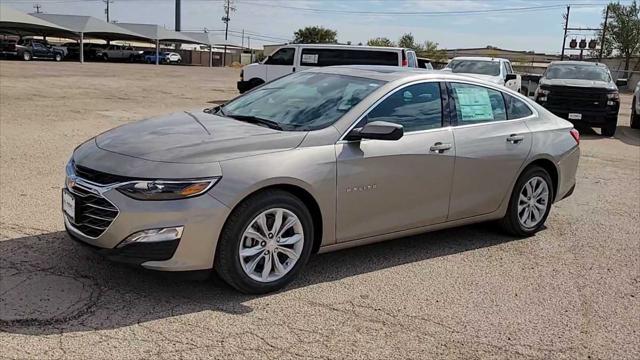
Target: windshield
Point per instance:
(475, 67)
(302, 101)
(579, 72)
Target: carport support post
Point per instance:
(210, 55)
(157, 51)
(81, 48)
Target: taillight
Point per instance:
(405, 62)
(576, 135)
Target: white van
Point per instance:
(298, 57)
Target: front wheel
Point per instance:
(635, 117)
(265, 243)
(57, 57)
(610, 129)
(26, 56)
(530, 203)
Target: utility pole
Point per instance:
(227, 9)
(177, 27)
(37, 7)
(107, 10)
(243, 38)
(564, 39)
(604, 32)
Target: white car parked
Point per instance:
(298, 57)
(493, 70)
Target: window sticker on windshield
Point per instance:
(310, 58)
(474, 103)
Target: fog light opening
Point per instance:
(153, 235)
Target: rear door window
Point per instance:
(516, 108)
(332, 57)
(282, 57)
(477, 104)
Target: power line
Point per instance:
(422, 13)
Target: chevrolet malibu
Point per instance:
(317, 161)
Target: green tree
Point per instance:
(408, 41)
(622, 35)
(380, 41)
(315, 35)
(429, 49)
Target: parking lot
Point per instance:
(571, 291)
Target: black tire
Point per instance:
(26, 56)
(227, 262)
(635, 117)
(510, 223)
(105, 57)
(610, 129)
(255, 82)
(57, 57)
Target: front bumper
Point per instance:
(202, 218)
(602, 116)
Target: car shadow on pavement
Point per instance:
(49, 284)
(624, 133)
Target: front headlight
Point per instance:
(166, 189)
(613, 96)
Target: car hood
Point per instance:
(489, 78)
(578, 83)
(195, 137)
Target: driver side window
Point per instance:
(415, 107)
(282, 57)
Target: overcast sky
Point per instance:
(358, 20)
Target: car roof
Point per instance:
(479, 58)
(580, 63)
(342, 46)
(388, 73)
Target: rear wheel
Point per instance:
(635, 117)
(105, 57)
(530, 203)
(57, 57)
(26, 56)
(265, 243)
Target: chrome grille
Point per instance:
(94, 213)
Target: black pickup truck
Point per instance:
(581, 92)
(28, 49)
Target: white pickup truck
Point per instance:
(494, 70)
(119, 52)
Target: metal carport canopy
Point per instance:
(16, 22)
(88, 26)
(159, 33)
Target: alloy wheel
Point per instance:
(271, 245)
(533, 202)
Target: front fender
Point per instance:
(312, 169)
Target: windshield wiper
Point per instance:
(256, 120)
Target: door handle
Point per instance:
(515, 139)
(440, 147)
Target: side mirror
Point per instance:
(510, 77)
(622, 82)
(377, 130)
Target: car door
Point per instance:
(280, 63)
(511, 84)
(39, 50)
(490, 149)
(387, 186)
